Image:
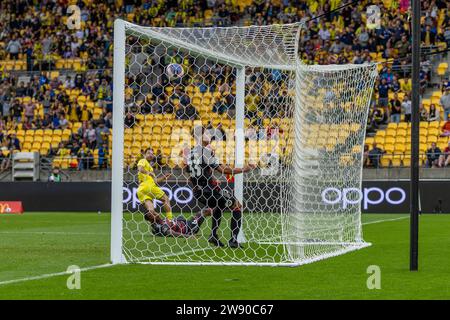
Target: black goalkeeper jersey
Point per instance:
(201, 163)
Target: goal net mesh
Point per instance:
(304, 128)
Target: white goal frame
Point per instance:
(116, 250)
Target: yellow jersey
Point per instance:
(145, 177)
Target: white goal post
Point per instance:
(299, 128)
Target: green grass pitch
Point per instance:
(37, 244)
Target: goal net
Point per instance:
(243, 97)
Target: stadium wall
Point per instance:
(376, 196)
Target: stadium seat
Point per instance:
(385, 162)
(389, 148)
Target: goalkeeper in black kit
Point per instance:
(201, 164)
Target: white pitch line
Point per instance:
(385, 220)
(50, 275)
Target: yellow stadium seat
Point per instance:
(26, 145)
(137, 137)
(433, 131)
(423, 147)
(392, 125)
(389, 140)
(423, 125)
(399, 148)
(434, 124)
(369, 141)
(391, 132)
(402, 125)
(423, 139)
(396, 161)
(385, 162)
(18, 132)
(389, 148)
(406, 161)
(423, 132)
(136, 144)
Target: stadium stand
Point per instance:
(56, 84)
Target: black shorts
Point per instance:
(215, 197)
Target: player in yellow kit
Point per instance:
(148, 189)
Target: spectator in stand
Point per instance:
(47, 101)
(14, 143)
(27, 124)
(62, 153)
(72, 112)
(55, 121)
(91, 136)
(75, 148)
(84, 114)
(186, 112)
(395, 84)
(433, 115)
(375, 155)
(47, 122)
(129, 120)
(423, 113)
(69, 83)
(16, 110)
(383, 96)
(63, 122)
(403, 46)
(103, 93)
(21, 90)
(433, 155)
(102, 134)
(103, 156)
(428, 37)
(444, 159)
(446, 128)
(14, 48)
(445, 102)
(82, 131)
(396, 109)
(366, 162)
(55, 176)
(5, 158)
(406, 107)
(85, 158)
(252, 101)
(108, 120)
(251, 132)
(423, 83)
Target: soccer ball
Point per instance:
(174, 71)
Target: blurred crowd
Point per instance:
(38, 33)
